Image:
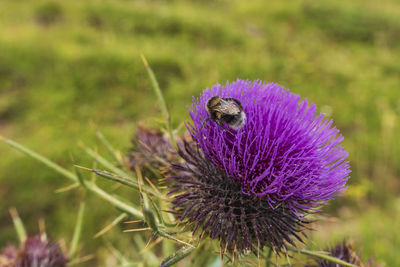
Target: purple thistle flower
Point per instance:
(35, 252)
(8, 256)
(251, 187)
(284, 152)
(151, 148)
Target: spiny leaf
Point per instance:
(122, 180)
(177, 256)
(150, 219)
(111, 225)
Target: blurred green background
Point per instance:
(67, 65)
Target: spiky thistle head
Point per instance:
(37, 252)
(210, 200)
(252, 186)
(151, 148)
(344, 251)
(33, 252)
(8, 256)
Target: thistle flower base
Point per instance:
(213, 204)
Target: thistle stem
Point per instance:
(268, 261)
(89, 186)
(117, 203)
(40, 158)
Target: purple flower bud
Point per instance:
(8, 256)
(35, 252)
(151, 148)
(344, 251)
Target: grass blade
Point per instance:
(118, 254)
(161, 100)
(80, 177)
(67, 188)
(109, 147)
(111, 225)
(19, 225)
(104, 162)
(149, 256)
(77, 230)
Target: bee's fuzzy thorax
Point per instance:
(225, 112)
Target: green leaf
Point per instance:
(177, 256)
(150, 219)
(122, 180)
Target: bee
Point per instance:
(226, 110)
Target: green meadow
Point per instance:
(68, 68)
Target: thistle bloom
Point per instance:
(8, 256)
(33, 252)
(151, 148)
(344, 251)
(252, 186)
(36, 252)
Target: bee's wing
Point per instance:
(228, 108)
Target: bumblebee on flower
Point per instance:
(252, 188)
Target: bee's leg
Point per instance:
(226, 130)
(204, 121)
